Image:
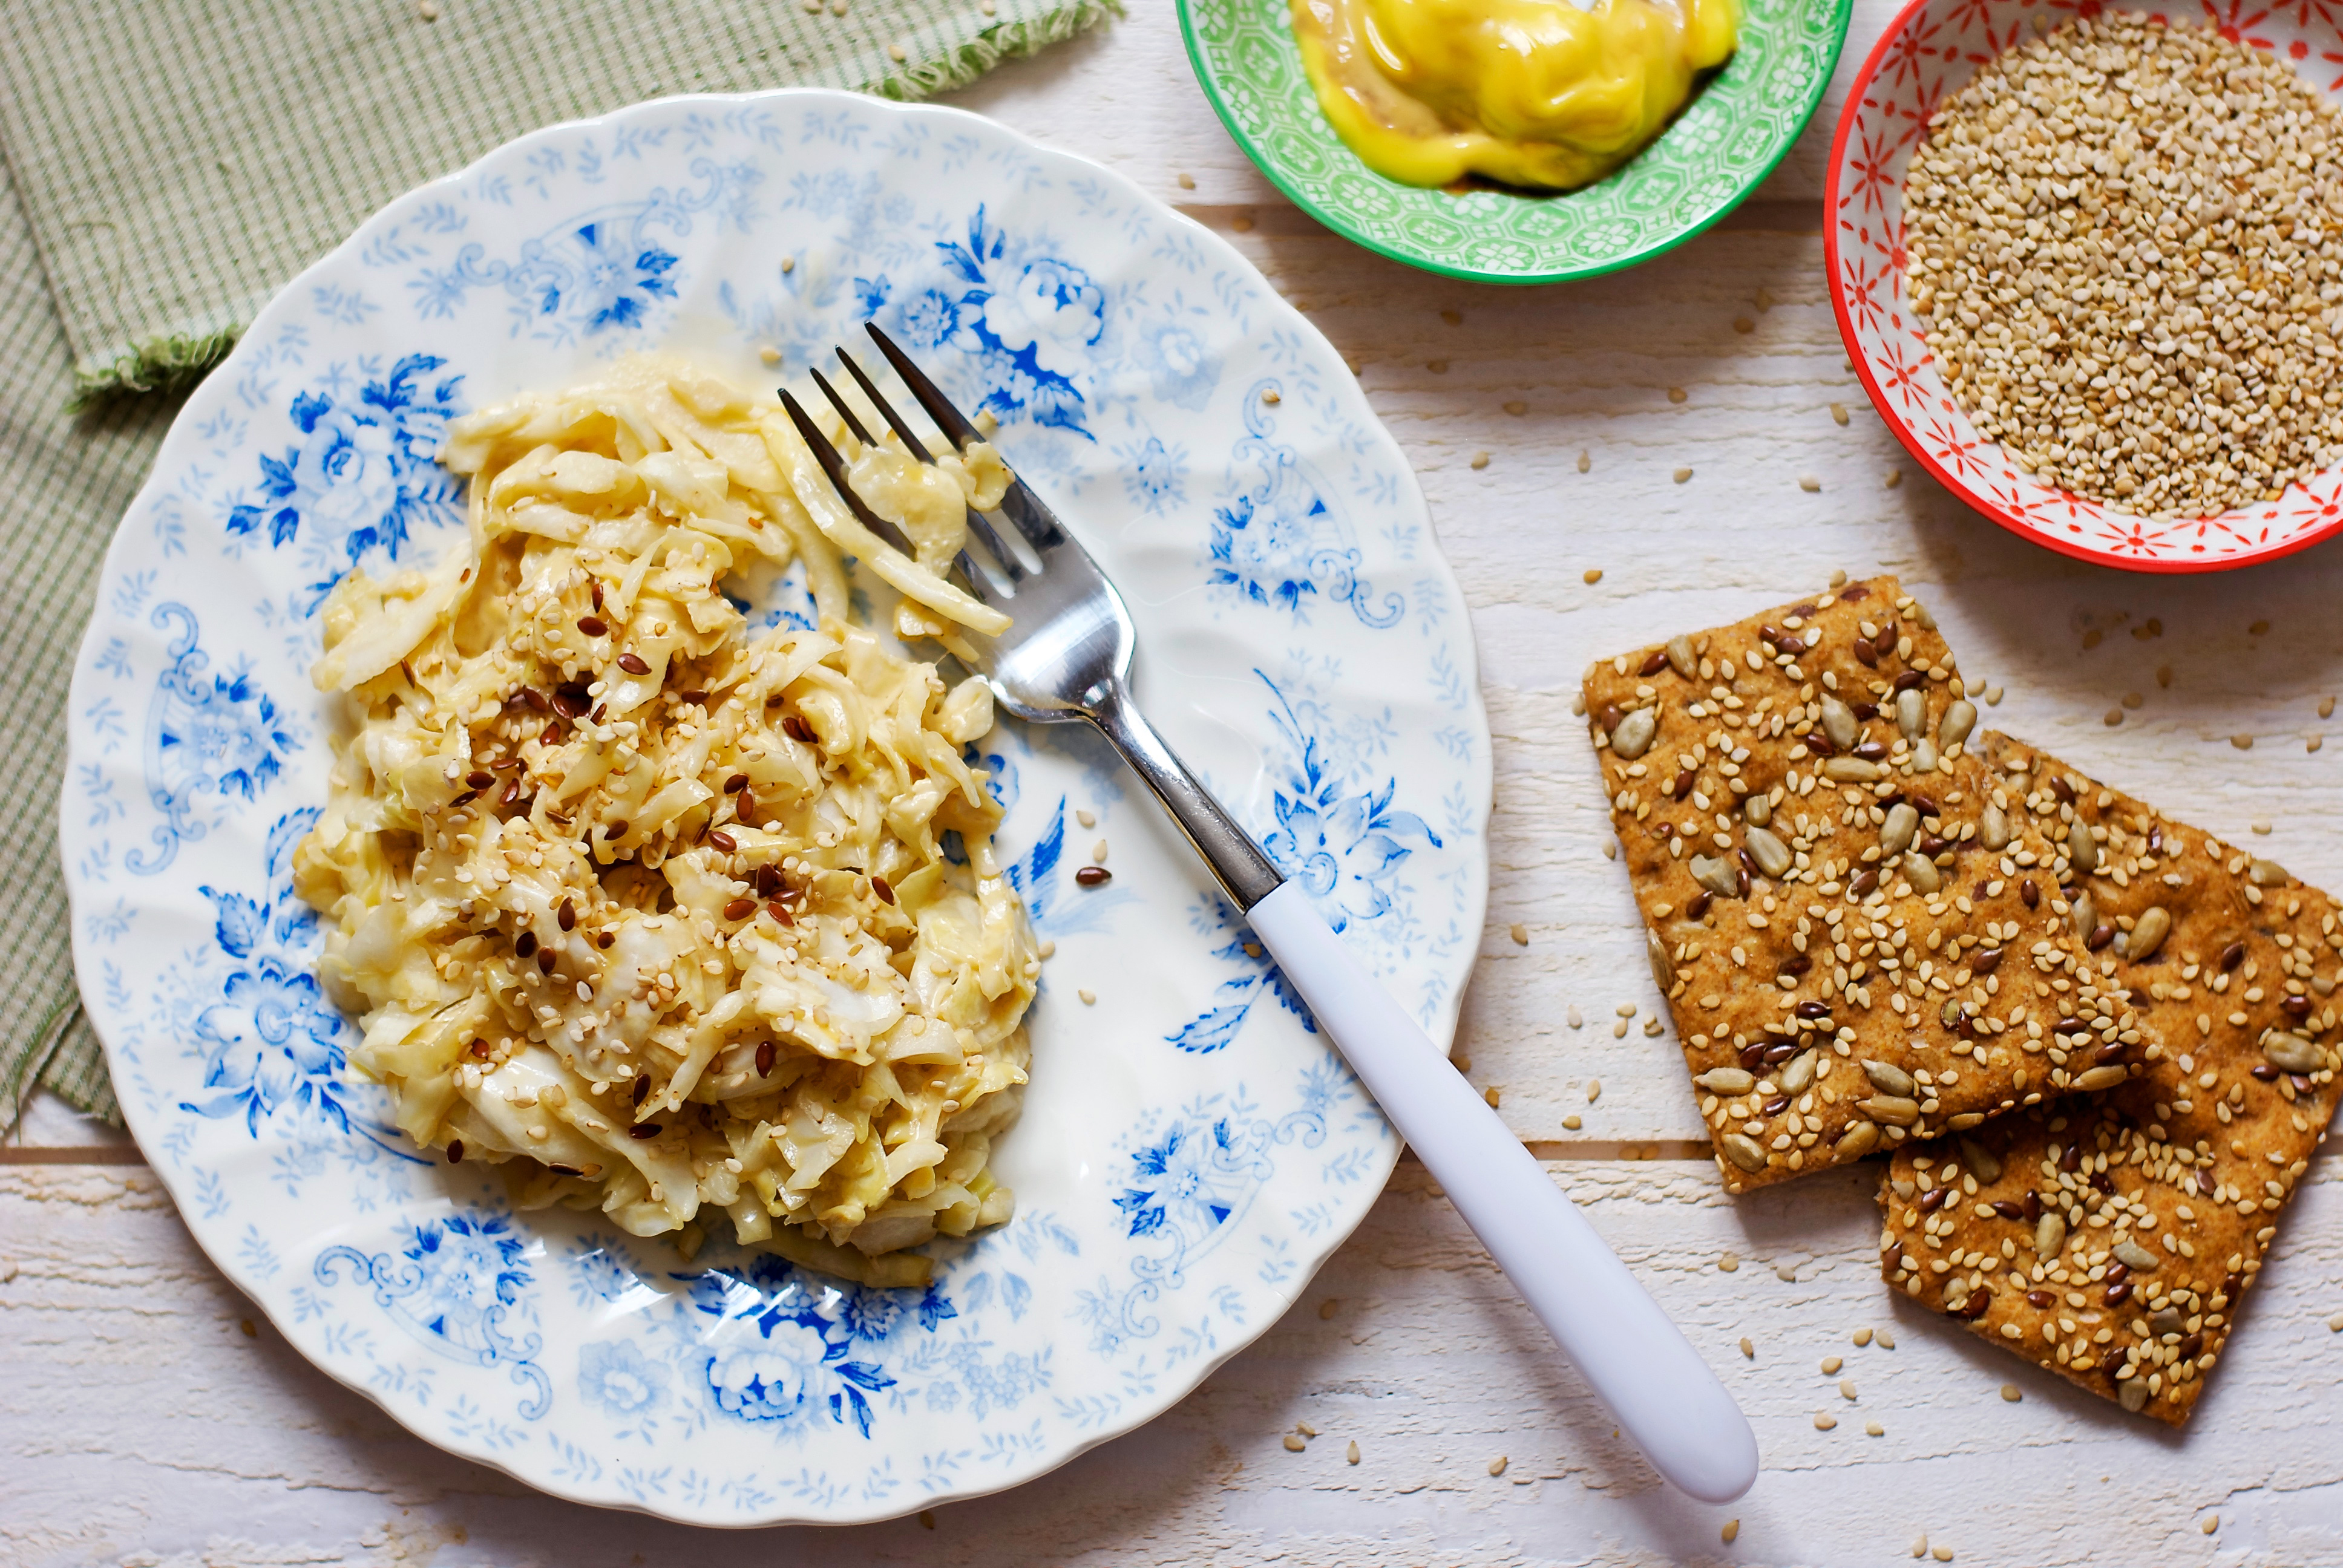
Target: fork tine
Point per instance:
(1020, 505)
(834, 466)
(912, 443)
(979, 524)
(845, 412)
(941, 408)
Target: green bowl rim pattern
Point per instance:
(1842, 13)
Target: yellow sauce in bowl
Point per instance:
(1534, 92)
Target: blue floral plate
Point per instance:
(1190, 1149)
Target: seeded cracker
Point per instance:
(2110, 1239)
(1853, 949)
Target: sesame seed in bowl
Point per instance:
(2088, 262)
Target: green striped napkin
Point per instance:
(173, 163)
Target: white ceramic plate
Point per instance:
(1191, 1150)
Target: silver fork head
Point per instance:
(1070, 639)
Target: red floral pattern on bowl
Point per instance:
(1929, 52)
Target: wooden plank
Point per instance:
(149, 1422)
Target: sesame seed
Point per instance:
(1585, 461)
(2113, 716)
(1305, 1429)
(1682, 475)
(1887, 1340)
(427, 9)
(1592, 574)
(1517, 409)
(1480, 461)
(2010, 1392)
(1098, 853)
(1490, 1095)
(1351, 1453)
(1294, 1444)
(2262, 828)
(1941, 1554)
(1824, 1422)
(1327, 1309)
(1846, 1388)
(2326, 708)
(1573, 1123)
(1748, 1350)
(1090, 998)
(1729, 1263)
(1677, 394)
(1894, 477)
(1732, 1528)
(1242, 224)
(1872, 1428)
(1270, 395)
(1086, 819)
(1831, 1365)
(896, 53)
(1838, 417)
(2212, 1523)
(1743, 326)
(2258, 628)
(1497, 1465)
(1593, 1090)
(1521, 934)
(2242, 742)
(1861, 1337)
(788, 264)
(1576, 1019)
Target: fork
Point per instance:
(1066, 656)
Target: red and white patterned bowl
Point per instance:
(1929, 52)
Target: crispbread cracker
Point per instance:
(2201, 1150)
(1825, 1009)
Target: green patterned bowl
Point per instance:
(1736, 129)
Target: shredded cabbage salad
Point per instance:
(669, 916)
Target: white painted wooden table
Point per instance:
(147, 1416)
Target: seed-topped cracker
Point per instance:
(1853, 948)
(2109, 1238)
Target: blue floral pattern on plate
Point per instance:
(1191, 1148)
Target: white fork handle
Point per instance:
(1638, 1362)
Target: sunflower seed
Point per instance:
(1744, 1151)
(2084, 912)
(2150, 933)
(1838, 723)
(1716, 873)
(1896, 834)
(2082, 849)
(2266, 874)
(1993, 829)
(1680, 656)
(1772, 855)
(1921, 871)
(1923, 757)
(1726, 1080)
(2100, 1078)
(2293, 1053)
(1797, 1075)
(1857, 1141)
(1892, 1107)
(1888, 1078)
(2132, 1394)
(1911, 712)
(1955, 726)
(1850, 770)
(1983, 1164)
(1664, 973)
(1635, 733)
(2168, 1320)
(1757, 810)
(2049, 1234)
